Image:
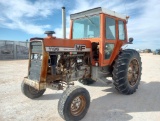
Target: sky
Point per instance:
(23, 19)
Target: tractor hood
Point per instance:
(52, 44)
(66, 45)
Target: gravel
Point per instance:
(106, 103)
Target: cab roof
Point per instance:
(95, 11)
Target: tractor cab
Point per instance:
(105, 29)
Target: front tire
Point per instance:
(74, 103)
(127, 71)
(31, 92)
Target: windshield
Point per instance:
(87, 27)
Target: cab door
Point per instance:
(114, 39)
(110, 38)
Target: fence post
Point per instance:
(15, 50)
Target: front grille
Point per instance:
(36, 60)
(36, 47)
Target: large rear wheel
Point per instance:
(74, 103)
(127, 71)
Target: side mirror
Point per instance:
(130, 40)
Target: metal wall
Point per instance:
(13, 50)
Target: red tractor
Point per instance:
(92, 53)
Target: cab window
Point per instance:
(87, 27)
(108, 50)
(121, 30)
(110, 29)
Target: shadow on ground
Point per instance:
(53, 96)
(115, 106)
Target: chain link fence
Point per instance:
(13, 50)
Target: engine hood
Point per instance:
(66, 45)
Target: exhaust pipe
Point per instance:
(64, 22)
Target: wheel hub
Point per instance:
(133, 72)
(78, 105)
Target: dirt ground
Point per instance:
(106, 103)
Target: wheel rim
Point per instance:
(33, 90)
(133, 72)
(78, 105)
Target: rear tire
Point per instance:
(31, 92)
(74, 103)
(127, 71)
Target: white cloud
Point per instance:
(16, 14)
(147, 25)
(59, 32)
(2, 19)
(143, 24)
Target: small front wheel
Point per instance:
(74, 103)
(31, 92)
